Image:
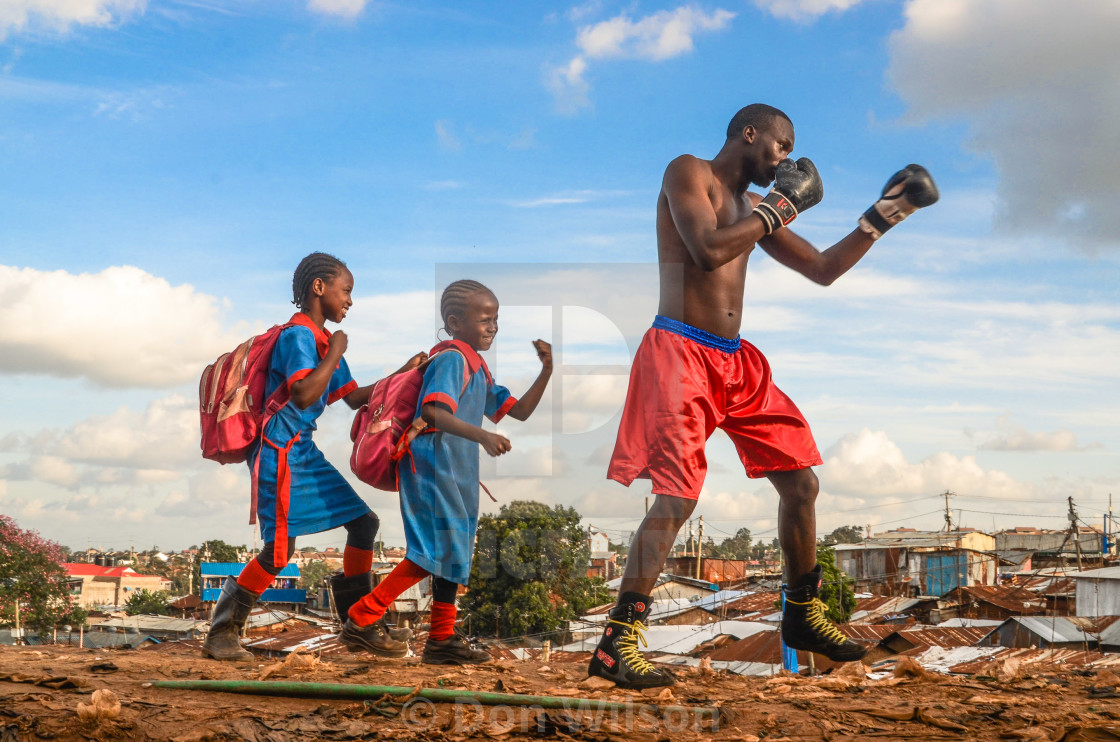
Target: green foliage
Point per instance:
(311, 574)
(529, 573)
(844, 535)
(146, 602)
(31, 573)
(837, 590)
(732, 547)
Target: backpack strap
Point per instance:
(275, 402)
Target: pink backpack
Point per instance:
(385, 426)
(232, 405)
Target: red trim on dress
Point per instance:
(342, 391)
(505, 408)
(442, 398)
(303, 373)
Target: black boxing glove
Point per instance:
(797, 186)
(908, 190)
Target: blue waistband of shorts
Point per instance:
(703, 337)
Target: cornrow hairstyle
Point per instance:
(758, 115)
(316, 265)
(454, 299)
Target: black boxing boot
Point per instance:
(805, 625)
(617, 658)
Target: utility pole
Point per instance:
(1075, 532)
(948, 513)
(699, 547)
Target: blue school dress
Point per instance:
(439, 488)
(298, 491)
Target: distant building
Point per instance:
(283, 593)
(93, 585)
(1098, 591)
(911, 562)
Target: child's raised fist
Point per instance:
(544, 352)
(338, 342)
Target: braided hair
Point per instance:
(454, 299)
(316, 265)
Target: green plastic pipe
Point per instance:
(444, 695)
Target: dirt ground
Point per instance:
(57, 692)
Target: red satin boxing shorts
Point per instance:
(684, 384)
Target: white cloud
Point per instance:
(1038, 83)
(60, 15)
(446, 136)
(568, 87)
(165, 435)
(654, 38)
(803, 10)
(344, 8)
(1012, 437)
(869, 464)
(662, 35)
(121, 327)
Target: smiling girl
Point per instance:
(439, 490)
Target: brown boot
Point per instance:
(374, 639)
(229, 617)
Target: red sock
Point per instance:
(442, 620)
(373, 606)
(356, 561)
(254, 578)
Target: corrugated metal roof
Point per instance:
(755, 602)
(310, 639)
(937, 636)
(1105, 573)
(1053, 629)
(956, 623)
(720, 599)
(154, 623)
(233, 569)
(879, 606)
(1063, 657)
(1010, 598)
(681, 639)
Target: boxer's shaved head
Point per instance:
(758, 115)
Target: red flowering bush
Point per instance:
(31, 573)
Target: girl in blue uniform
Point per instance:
(297, 490)
(439, 487)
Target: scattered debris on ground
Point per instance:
(63, 693)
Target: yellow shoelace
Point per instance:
(628, 648)
(817, 619)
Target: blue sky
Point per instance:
(169, 162)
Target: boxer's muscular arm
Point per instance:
(685, 185)
(795, 252)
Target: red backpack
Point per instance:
(385, 426)
(232, 405)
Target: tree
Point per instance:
(837, 590)
(529, 573)
(844, 535)
(311, 574)
(146, 602)
(31, 573)
(732, 547)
